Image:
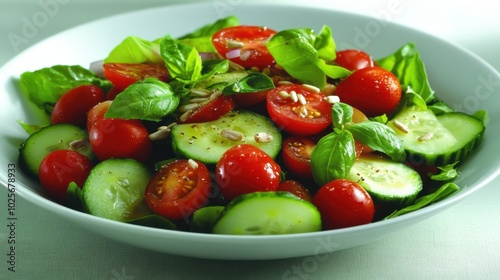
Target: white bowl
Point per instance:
(458, 76)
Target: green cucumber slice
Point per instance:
(206, 141)
(50, 138)
(387, 181)
(436, 140)
(263, 213)
(115, 189)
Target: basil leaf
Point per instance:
(149, 99)
(443, 192)
(182, 61)
(379, 137)
(405, 63)
(304, 55)
(45, 86)
(254, 82)
(74, 197)
(440, 107)
(483, 116)
(30, 128)
(155, 221)
(333, 157)
(135, 50)
(447, 173)
(214, 67)
(341, 115)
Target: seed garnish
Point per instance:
(263, 137)
(401, 126)
(426, 137)
(231, 134)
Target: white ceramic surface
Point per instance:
(458, 76)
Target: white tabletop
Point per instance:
(462, 242)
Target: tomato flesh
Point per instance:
(373, 90)
(121, 75)
(296, 188)
(343, 203)
(178, 189)
(61, 167)
(245, 169)
(210, 111)
(296, 118)
(296, 153)
(245, 45)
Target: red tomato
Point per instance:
(112, 93)
(96, 113)
(373, 90)
(353, 59)
(73, 106)
(119, 138)
(210, 111)
(296, 153)
(245, 169)
(121, 75)
(178, 189)
(296, 188)
(343, 203)
(245, 45)
(61, 167)
(307, 117)
(249, 99)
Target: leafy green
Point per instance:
(149, 99)
(74, 198)
(447, 173)
(182, 61)
(30, 128)
(135, 50)
(333, 157)
(406, 64)
(341, 115)
(305, 55)
(45, 86)
(253, 82)
(155, 221)
(443, 192)
(201, 39)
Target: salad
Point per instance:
(240, 129)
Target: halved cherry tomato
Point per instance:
(209, 111)
(296, 188)
(244, 169)
(296, 153)
(245, 45)
(121, 75)
(352, 59)
(96, 113)
(373, 90)
(119, 138)
(295, 116)
(112, 93)
(178, 189)
(343, 203)
(73, 106)
(61, 167)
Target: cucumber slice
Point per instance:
(207, 142)
(262, 213)
(115, 190)
(436, 140)
(389, 182)
(51, 138)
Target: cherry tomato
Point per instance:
(245, 169)
(61, 167)
(73, 106)
(96, 113)
(373, 90)
(296, 188)
(178, 189)
(209, 111)
(121, 75)
(343, 203)
(249, 99)
(353, 60)
(112, 93)
(295, 116)
(245, 45)
(296, 153)
(119, 138)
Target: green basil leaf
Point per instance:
(30, 128)
(325, 45)
(135, 50)
(155, 221)
(45, 86)
(443, 192)
(447, 173)
(341, 115)
(149, 99)
(483, 116)
(182, 61)
(333, 157)
(214, 67)
(379, 137)
(254, 82)
(333, 71)
(74, 198)
(440, 107)
(406, 64)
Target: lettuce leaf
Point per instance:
(135, 50)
